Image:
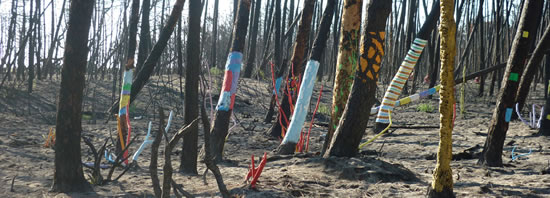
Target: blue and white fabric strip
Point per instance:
(302, 103)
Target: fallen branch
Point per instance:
(180, 189)
(12, 182)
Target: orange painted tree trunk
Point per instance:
(356, 114)
(346, 62)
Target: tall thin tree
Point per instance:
(355, 117)
(291, 89)
(68, 173)
(348, 52)
(291, 138)
(492, 150)
(442, 185)
(191, 102)
(230, 82)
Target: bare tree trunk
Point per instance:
(251, 58)
(442, 185)
(531, 68)
(492, 151)
(38, 38)
(31, 48)
(48, 66)
(545, 123)
(190, 140)
(227, 96)
(278, 68)
(9, 45)
(291, 89)
(145, 35)
(482, 48)
(355, 116)
(213, 58)
(68, 174)
(23, 37)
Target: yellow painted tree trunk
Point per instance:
(346, 62)
(442, 185)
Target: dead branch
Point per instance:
(119, 159)
(168, 170)
(96, 171)
(210, 164)
(154, 156)
(179, 188)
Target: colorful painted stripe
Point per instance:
(277, 85)
(230, 81)
(407, 100)
(398, 80)
(508, 115)
(125, 93)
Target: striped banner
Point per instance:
(230, 81)
(396, 86)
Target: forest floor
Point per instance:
(399, 164)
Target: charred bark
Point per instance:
(492, 151)
(68, 174)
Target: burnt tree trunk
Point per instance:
(346, 62)
(227, 97)
(531, 68)
(276, 58)
(290, 91)
(355, 117)
(68, 174)
(492, 150)
(251, 58)
(144, 35)
(190, 140)
(545, 123)
(288, 145)
(213, 59)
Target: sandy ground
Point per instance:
(399, 164)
